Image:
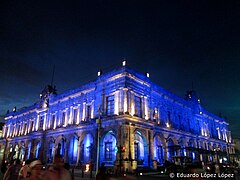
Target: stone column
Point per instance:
(66, 151)
(78, 114)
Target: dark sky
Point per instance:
(177, 42)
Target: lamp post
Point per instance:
(129, 147)
(98, 121)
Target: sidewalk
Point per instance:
(87, 176)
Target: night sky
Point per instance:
(179, 43)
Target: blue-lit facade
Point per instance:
(152, 124)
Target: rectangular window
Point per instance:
(5, 131)
(108, 151)
(88, 114)
(110, 105)
(24, 128)
(12, 132)
(138, 106)
(52, 121)
(75, 113)
(31, 126)
(18, 130)
(64, 118)
(41, 123)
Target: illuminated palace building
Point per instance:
(141, 124)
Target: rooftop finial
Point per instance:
(99, 72)
(124, 63)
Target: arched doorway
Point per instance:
(29, 150)
(191, 149)
(73, 150)
(87, 149)
(140, 149)
(108, 149)
(171, 149)
(50, 152)
(22, 152)
(158, 150)
(16, 151)
(182, 150)
(59, 146)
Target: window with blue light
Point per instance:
(138, 106)
(28, 150)
(110, 105)
(72, 152)
(108, 151)
(86, 148)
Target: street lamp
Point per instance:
(98, 121)
(129, 151)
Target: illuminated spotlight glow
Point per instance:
(99, 73)
(167, 124)
(87, 167)
(147, 74)
(141, 174)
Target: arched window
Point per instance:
(50, 152)
(138, 106)
(109, 145)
